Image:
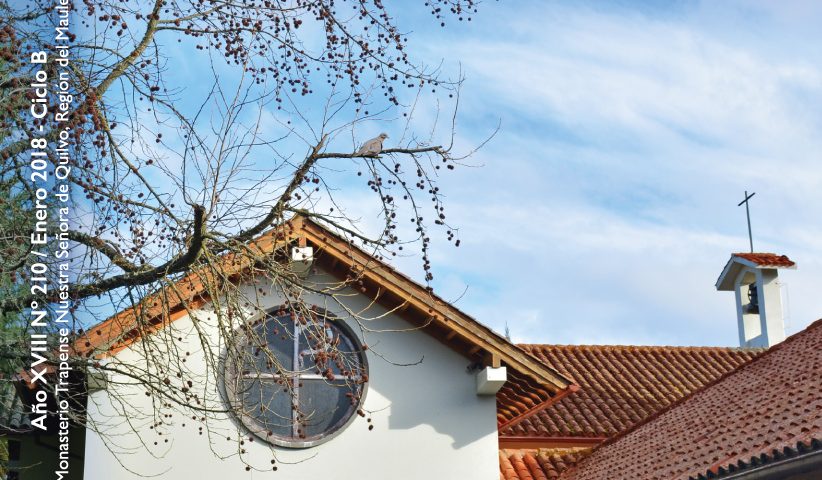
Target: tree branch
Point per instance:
(277, 210)
(105, 248)
(175, 265)
(408, 151)
(122, 65)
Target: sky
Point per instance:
(605, 208)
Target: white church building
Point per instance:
(428, 408)
(424, 392)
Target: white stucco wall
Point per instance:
(767, 327)
(428, 421)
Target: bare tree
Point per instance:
(195, 128)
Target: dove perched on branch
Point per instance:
(373, 146)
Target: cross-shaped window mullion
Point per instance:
(308, 368)
(294, 378)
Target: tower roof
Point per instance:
(767, 259)
(760, 260)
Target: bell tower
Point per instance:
(753, 277)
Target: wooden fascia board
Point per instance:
(192, 287)
(416, 297)
(152, 308)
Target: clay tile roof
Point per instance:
(537, 464)
(767, 259)
(619, 385)
(802, 448)
(767, 407)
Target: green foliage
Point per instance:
(4, 457)
(15, 224)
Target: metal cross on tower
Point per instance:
(748, 214)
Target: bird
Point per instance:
(373, 146)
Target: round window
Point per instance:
(295, 380)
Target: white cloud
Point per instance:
(607, 206)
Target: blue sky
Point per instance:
(606, 206)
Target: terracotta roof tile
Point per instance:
(767, 259)
(537, 464)
(619, 386)
(759, 410)
(519, 395)
(774, 455)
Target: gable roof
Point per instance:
(619, 386)
(738, 261)
(527, 377)
(767, 406)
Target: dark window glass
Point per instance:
(269, 404)
(14, 450)
(297, 379)
(324, 406)
(269, 342)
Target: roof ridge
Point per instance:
(637, 347)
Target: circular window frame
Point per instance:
(229, 382)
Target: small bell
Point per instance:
(753, 299)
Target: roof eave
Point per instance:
(418, 297)
(298, 227)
